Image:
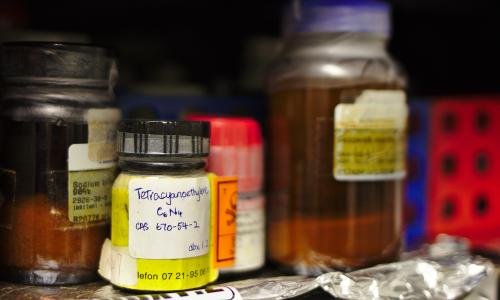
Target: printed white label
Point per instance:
(169, 218)
(123, 267)
(370, 137)
(89, 186)
(250, 238)
(79, 160)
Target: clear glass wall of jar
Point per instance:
(57, 160)
(335, 55)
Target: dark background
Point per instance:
(447, 47)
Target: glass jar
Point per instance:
(337, 139)
(163, 193)
(57, 160)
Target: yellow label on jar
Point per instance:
(370, 137)
(117, 266)
(119, 215)
(177, 274)
(136, 273)
(178, 259)
(89, 195)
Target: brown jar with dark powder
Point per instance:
(337, 140)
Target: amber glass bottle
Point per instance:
(336, 182)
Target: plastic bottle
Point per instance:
(236, 149)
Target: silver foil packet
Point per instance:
(444, 270)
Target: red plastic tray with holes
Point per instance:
(464, 171)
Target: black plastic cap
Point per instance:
(160, 138)
(189, 128)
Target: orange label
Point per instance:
(226, 195)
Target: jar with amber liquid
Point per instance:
(57, 160)
(337, 139)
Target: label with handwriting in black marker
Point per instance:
(169, 218)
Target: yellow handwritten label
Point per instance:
(126, 271)
(370, 137)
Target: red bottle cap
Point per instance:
(236, 149)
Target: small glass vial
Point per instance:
(161, 207)
(57, 160)
(337, 139)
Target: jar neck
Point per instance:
(133, 164)
(79, 94)
(352, 44)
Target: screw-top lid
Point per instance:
(371, 16)
(237, 150)
(58, 63)
(231, 131)
(155, 138)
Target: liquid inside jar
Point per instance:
(317, 223)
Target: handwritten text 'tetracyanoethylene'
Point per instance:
(143, 194)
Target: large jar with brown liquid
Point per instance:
(337, 139)
(57, 160)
